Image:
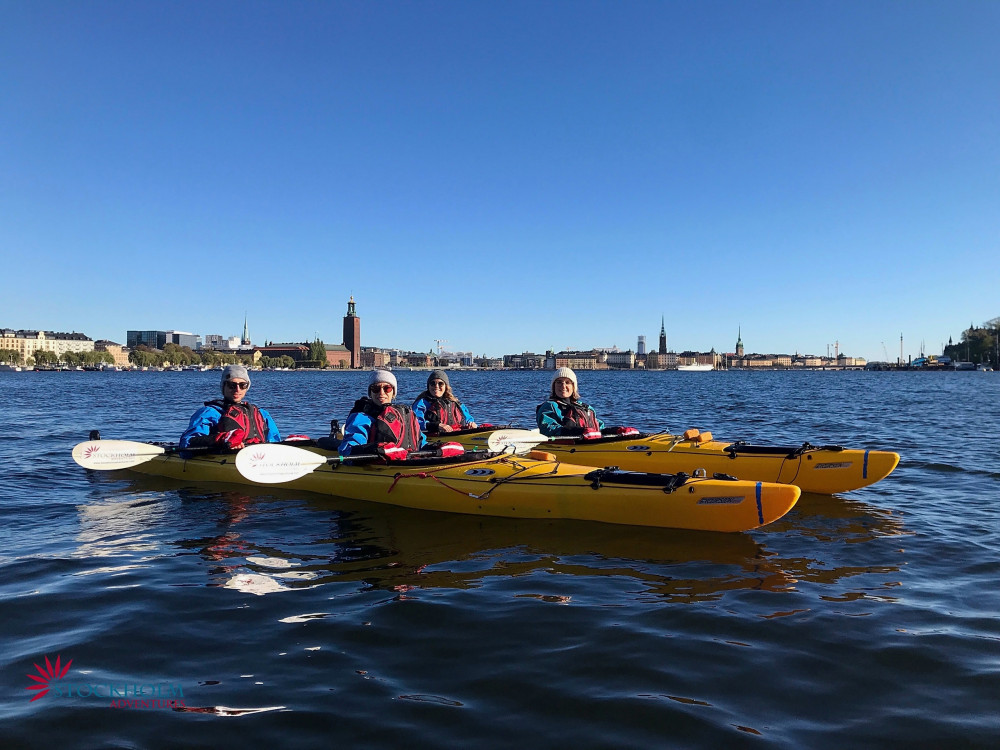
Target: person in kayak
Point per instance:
(230, 422)
(564, 415)
(376, 425)
(438, 410)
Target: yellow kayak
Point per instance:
(824, 470)
(533, 486)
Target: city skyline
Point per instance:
(352, 335)
(517, 176)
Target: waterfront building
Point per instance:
(183, 338)
(621, 360)
(298, 352)
(739, 342)
(26, 343)
(525, 361)
(149, 339)
(661, 361)
(640, 349)
(590, 360)
(418, 359)
(699, 358)
(352, 334)
(372, 357)
(338, 356)
(663, 337)
(118, 352)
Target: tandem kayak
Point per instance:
(824, 470)
(537, 485)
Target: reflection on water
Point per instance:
(275, 542)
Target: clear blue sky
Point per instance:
(506, 176)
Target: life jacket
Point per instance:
(441, 412)
(238, 423)
(580, 416)
(393, 425)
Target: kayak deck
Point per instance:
(825, 470)
(535, 486)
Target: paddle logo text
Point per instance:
(99, 456)
(51, 681)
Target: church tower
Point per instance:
(352, 334)
(663, 336)
(739, 342)
(245, 339)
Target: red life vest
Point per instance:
(441, 412)
(238, 423)
(580, 416)
(393, 425)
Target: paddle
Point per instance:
(272, 463)
(520, 440)
(107, 455)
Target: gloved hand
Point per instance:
(451, 449)
(626, 431)
(393, 454)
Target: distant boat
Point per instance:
(9, 368)
(964, 366)
(695, 368)
(984, 367)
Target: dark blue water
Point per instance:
(288, 620)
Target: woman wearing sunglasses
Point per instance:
(438, 411)
(231, 422)
(376, 425)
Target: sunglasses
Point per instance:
(436, 384)
(383, 387)
(239, 385)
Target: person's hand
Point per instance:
(473, 425)
(445, 428)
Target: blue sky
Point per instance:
(505, 176)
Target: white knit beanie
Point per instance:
(383, 376)
(565, 372)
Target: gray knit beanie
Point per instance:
(235, 372)
(438, 375)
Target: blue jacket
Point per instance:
(551, 414)
(203, 420)
(357, 432)
(420, 411)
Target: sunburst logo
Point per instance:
(45, 676)
(258, 457)
(90, 450)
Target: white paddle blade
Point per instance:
(107, 455)
(516, 441)
(271, 463)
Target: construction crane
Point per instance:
(885, 352)
(439, 342)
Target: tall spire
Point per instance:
(662, 349)
(245, 340)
